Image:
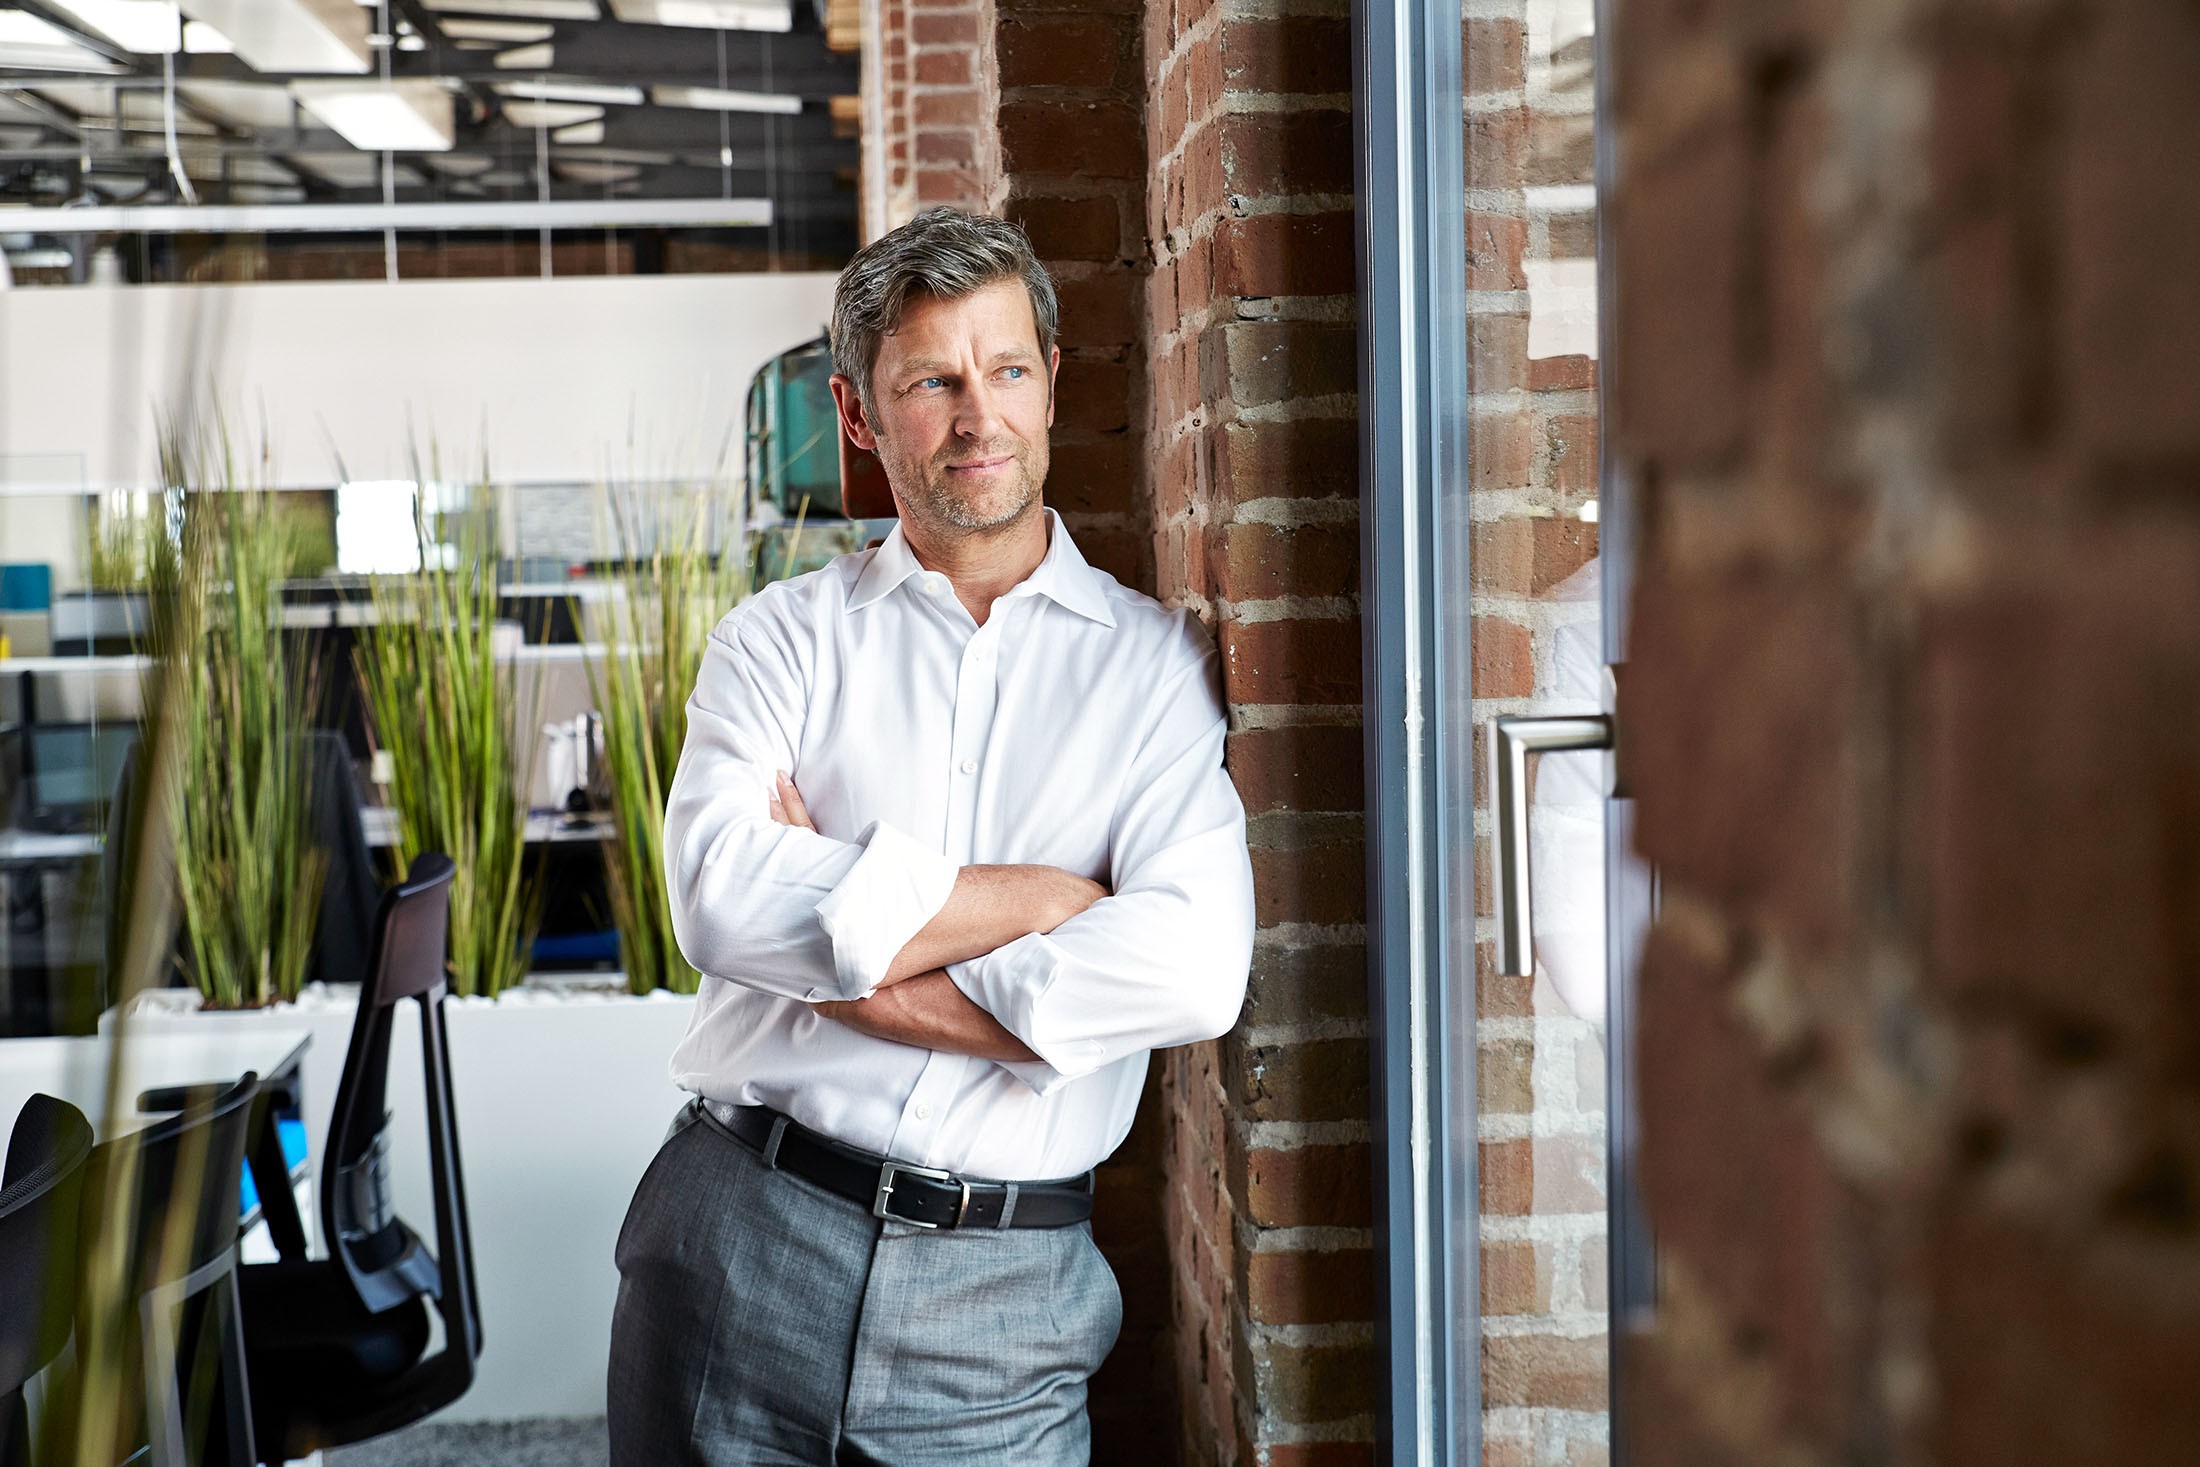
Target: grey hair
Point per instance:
(944, 253)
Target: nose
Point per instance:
(980, 418)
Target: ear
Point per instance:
(852, 416)
(1054, 371)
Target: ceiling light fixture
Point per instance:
(715, 15)
(201, 39)
(518, 32)
(599, 92)
(290, 36)
(524, 9)
(551, 114)
(148, 27)
(32, 44)
(724, 99)
(412, 116)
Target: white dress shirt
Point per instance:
(1080, 727)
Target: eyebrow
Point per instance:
(928, 366)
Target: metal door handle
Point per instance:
(1512, 739)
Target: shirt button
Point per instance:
(935, 583)
(924, 1112)
(970, 766)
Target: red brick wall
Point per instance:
(1253, 453)
(933, 133)
(1914, 718)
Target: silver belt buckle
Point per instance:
(886, 1174)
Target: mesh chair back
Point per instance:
(385, 1260)
(38, 1213)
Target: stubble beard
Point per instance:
(937, 500)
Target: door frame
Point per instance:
(1408, 124)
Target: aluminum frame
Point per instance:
(1408, 110)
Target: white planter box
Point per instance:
(562, 1097)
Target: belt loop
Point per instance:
(1008, 1207)
(771, 1144)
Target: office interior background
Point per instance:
(1803, 393)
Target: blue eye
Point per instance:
(1016, 372)
(933, 382)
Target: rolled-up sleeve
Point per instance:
(774, 907)
(1163, 960)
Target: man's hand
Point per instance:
(930, 1012)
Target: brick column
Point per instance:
(1253, 450)
(1914, 719)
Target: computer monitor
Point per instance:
(69, 773)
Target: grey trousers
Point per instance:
(762, 1320)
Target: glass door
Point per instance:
(1495, 544)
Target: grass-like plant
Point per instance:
(670, 588)
(443, 710)
(238, 796)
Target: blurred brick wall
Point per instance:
(1908, 322)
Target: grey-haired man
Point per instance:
(952, 845)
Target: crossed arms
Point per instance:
(1032, 967)
(991, 906)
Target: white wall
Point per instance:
(552, 377)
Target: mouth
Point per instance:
(982, 465)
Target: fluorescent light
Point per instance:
(551, 114)
(714, 15)
(519, 32)
(201, 39)
(601, 92)
(40, 259)
(581, 134)
(349, 169)
(720, 99)
(585, 170)
(288, 36)
(148, 27)
(412, 116)
(525, 58)
(32, 44)
(525, 9)
(244, 105)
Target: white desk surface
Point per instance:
(75, 1068)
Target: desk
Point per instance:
(75, 1068)
(380, 823)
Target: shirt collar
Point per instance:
(1062, 577)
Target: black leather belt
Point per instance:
(923, 1195)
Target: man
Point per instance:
(952, 845)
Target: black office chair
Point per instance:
(338, 1345)
(38, 1211)
(175, 1186)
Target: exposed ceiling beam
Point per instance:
(739, 213)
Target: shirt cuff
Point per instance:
(895, 887)
(1012, 984)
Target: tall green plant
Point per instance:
(443, 710)
(238, 797)
(669, 591)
